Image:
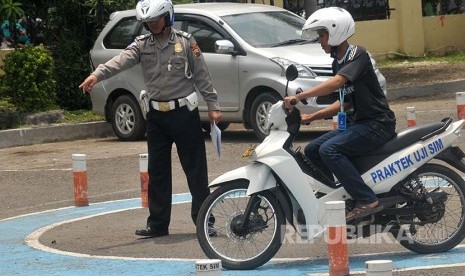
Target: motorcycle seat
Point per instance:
(402, 139)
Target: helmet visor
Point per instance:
(310, 34)
(151, 19)
(313, 33)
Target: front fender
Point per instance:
(258, 175)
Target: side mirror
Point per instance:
(291, 72)
(224, 47)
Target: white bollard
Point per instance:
(208, 267)
(460, 98)
(80, 180)
(379, 268)
(338, 253)
(411, 118)
(144, 179)
(334, 122)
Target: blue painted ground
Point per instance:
(17, 258)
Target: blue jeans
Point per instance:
(333, 150)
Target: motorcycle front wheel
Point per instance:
(240, 247)
(448, 227)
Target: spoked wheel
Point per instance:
(444, 227)
(240, 247)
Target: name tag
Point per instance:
(341, 121)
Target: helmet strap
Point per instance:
(167, 19)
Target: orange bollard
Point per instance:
(80, 180)
(144, 179)
(334, 122)
(338, 252)
(460, 97)
(411, 118)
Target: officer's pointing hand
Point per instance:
(88, 83)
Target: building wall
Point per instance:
(407, 32)
(444, 34)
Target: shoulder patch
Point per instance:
(196, 50)
(184, 34)
(352, 53)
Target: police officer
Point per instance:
(172, 65)
(372, 123)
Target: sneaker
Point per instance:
(212, 231)
(150, 232)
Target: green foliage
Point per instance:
(29, 81)
(10, 10)
(451, 57)
(82, 116)
(71, 32)
(71, 29)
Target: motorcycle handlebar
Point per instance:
(294, 101)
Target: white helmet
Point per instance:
(337, 21)
(150, 10)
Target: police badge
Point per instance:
(178, 48)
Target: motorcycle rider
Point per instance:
(371, 122)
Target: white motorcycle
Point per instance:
(424, 200)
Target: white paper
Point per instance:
(215, 134)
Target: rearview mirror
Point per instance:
(291, 72)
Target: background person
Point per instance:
(172, 65)
(372, 122)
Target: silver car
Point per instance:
(247, 48)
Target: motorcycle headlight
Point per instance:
(304, 71)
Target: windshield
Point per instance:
(267, 29)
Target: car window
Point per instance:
(205, 35)
(122, 34)
(266, 29)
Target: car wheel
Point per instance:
(259, 111)
(221, 125)
(127, 121)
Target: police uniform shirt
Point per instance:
(363, 90)
(172, 68)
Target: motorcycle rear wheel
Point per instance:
(449, 230)
(235, 248)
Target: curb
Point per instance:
(57, 133)
(426, 90)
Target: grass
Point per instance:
(10, 118)
(81, 116)
(5, 104)
(450, 58)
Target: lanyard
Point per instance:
(343, 89)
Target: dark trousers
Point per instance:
(182, 127)
(334, 149)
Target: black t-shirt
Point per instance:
(363, 90)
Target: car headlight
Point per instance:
(304, 72)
